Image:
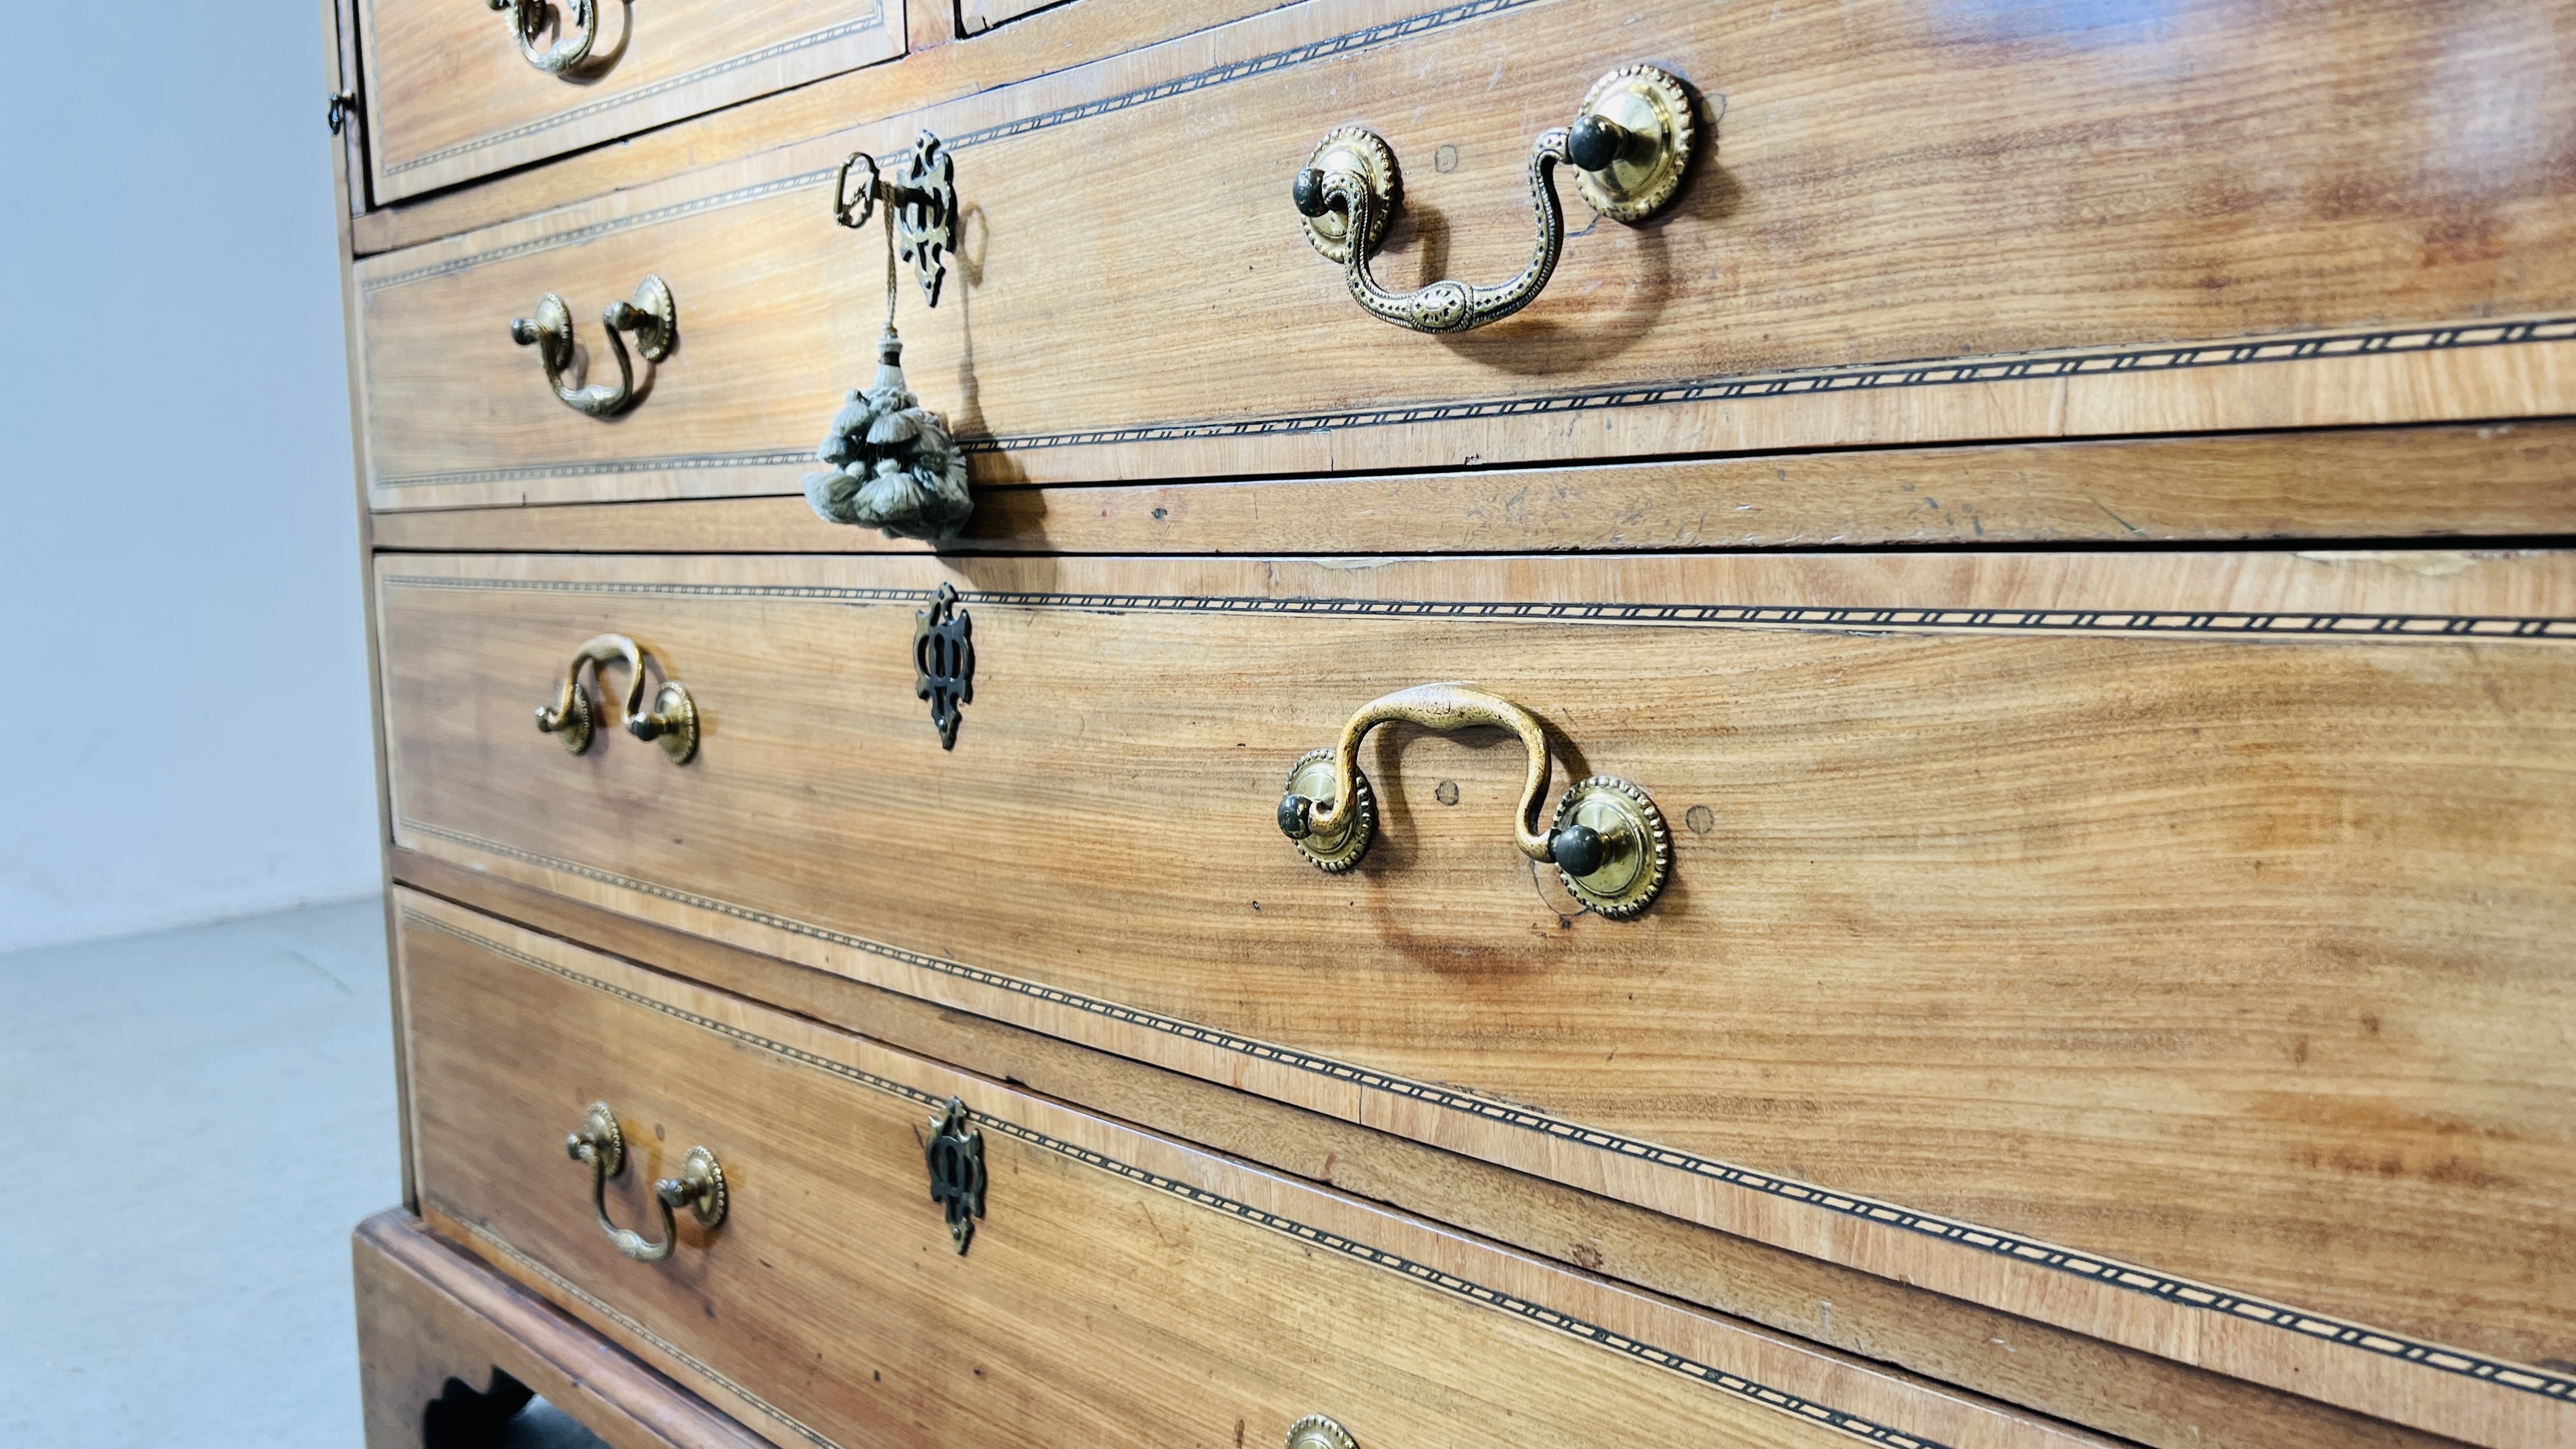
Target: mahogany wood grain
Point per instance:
(1119, 1288)
(428, 1313)
(449, 97)
(2417, 483)
(1055, 39)
(2085, 1380)
(1913, 182)
(929, 24)
(2236, 958)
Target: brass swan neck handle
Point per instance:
(672, 723)
(1444, 306)
(1630, 143)
(573, 42)
(1607, 840)
(700, 1187)
(652, 316)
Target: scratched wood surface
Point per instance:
(449, 97)
(1908, 182)
(2236, 957)
(428, 1313)
(2130, 1394)
(2492, 480)
(1119, 1287)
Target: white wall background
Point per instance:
(182, 663)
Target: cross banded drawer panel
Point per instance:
(1906, 223)
(455, 91)
(2165, 946)
(1116, 1287)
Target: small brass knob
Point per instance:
(700, 1188)
(1595, 141)
(1296, 816)
(1308, 192)
(1577, 849)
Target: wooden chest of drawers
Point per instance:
(1939, 766)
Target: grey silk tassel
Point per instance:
(892, 466)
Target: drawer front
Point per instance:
(2488, 480)
(2205, 913)
(1926, 223)
(1117, 1288)
(453, 93)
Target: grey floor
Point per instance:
(193, 1121)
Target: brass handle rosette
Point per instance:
(1319, 1431)
(672, 723)
(1630, 142)
(1607, 840)
(653, 316)
(574, 38)
(700, 1187)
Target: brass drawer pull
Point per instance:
(573, 39)
(1631, 142)
(673, 723)
(700, 1187)
(1607, 841)
(652, 316)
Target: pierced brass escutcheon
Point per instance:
(653, 316)
(955, 1156)
(672, 723)
(921, 205)
(1631, 142)
(700, 1187)
(1607, 841)
(943, 661)
(1315, 1431)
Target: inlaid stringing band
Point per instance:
(2179, 1291)
(1798, 382)
(626, 1321)
(1752, 386)
(1367, 37)
(2126, 621)
(1866, 1430)
(1749, 386)
(873, 20)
